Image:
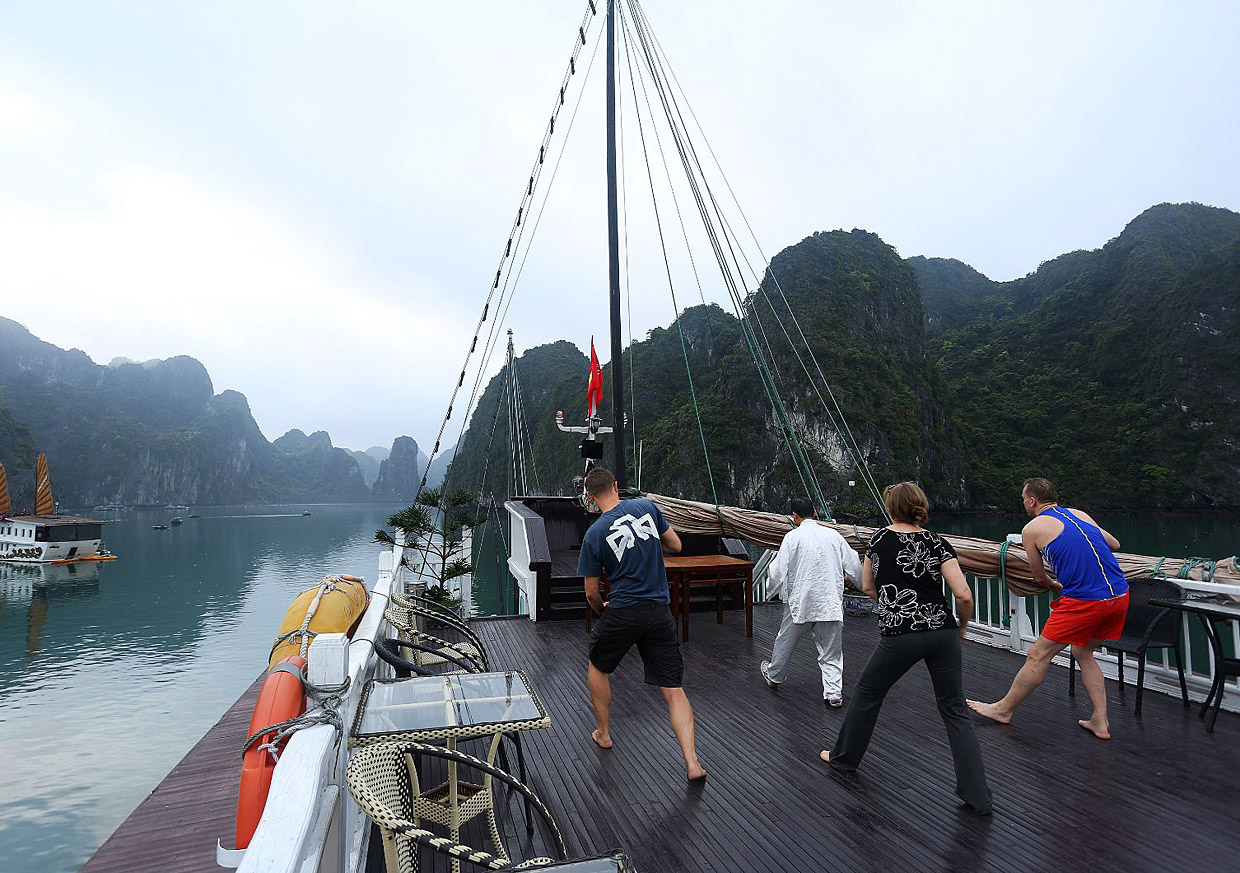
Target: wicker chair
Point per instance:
(384, 782)
(389, 651)
(1145, 627)
(404, 614)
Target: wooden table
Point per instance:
(717, 570)
(604, 589)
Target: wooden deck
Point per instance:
(174, 830)
(1162, 795)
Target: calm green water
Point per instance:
(109, 673)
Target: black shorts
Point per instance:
(651, 627)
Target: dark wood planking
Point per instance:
(175, 828)
(1163, 791)
(1160, 796)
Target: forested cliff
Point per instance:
(1113, 372)
(150, 434)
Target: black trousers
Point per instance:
(940, 649)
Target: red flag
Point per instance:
(594, 390)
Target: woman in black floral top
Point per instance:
(905, 569)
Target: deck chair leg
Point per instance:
(1140, 680)
(529, 815)
(1179, 666)
(1071, 672)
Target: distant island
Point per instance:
(1114, 372)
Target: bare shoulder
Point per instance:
(1040, 529)
(1083, 516)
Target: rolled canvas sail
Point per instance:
(5, 506)
(43, 503)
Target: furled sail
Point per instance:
(6, 507)
(977, 556)
(43, 503)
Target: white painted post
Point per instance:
(329, 666)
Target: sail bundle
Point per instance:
(980, 557)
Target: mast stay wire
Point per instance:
(684, 235)
(732, 279)
(841, 425)
(671, 286)
(527, 195)
(511, 278)
(679, 132)
(859, 459)
(518, 232)
(511, 281)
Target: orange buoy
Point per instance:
(282, 697)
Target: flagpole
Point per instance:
(619, 468)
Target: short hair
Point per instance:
(1041, 490)
(906, 503)
(599, 481)
(802, 507)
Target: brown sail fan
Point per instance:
(6, 507)
(43, 503)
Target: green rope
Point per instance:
(1157, 571)
(1191, 564)
(1003, 550)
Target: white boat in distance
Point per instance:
(45, 537)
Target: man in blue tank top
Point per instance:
(1091, 610)
(627, 542)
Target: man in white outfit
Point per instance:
(810, 565)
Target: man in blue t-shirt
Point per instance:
(627, 542)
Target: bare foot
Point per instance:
(602, 740)
(1102, 732)
(990, 711)
(696, 772)
(825, 755)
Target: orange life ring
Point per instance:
(282, 697)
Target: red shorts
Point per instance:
(1075, 622)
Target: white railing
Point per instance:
(304, 828)
(1006, 621)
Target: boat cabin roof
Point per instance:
(53, 520)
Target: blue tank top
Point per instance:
(1082, 560)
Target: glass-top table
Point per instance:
(452, 707)
(455, 706)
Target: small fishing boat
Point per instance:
(177, 520)
(159, 527)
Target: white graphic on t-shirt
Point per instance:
(626, 530)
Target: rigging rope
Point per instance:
(859, 458)
(515, 231)
(508, 293)
(726, 263)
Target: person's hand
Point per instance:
(962, 627)
(1056, 587)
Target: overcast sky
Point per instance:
(312, 198)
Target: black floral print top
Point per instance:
(909, 581)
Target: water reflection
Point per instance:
(37, 587)
(128, 664)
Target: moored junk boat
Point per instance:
(46, 537)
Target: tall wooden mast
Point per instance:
(619, 467)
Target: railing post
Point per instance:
(1016, 617)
